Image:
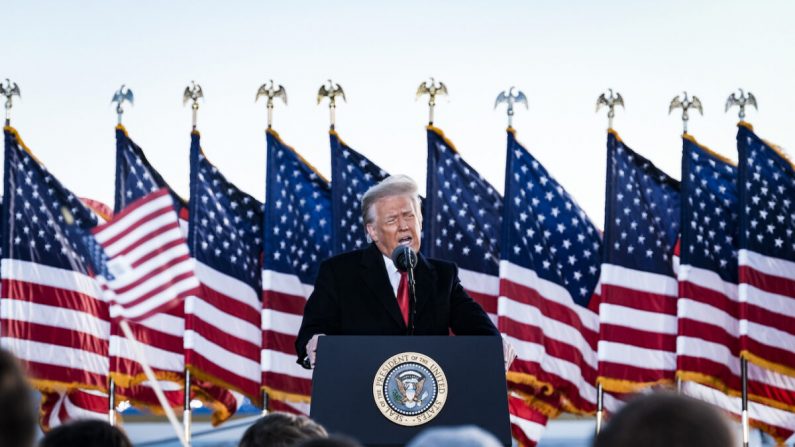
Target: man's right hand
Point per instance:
(311, 349)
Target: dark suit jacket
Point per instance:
(353, 296)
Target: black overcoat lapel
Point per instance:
(376, 278)
(425, 282)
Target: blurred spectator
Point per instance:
(17, 410)
(281, 430)
(465, 436)
(666, 420)
(85, 433)
(331, 441)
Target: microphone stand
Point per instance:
(405, 260)
(412, 298)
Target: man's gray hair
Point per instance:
(394, 185)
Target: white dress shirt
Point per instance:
(392, 272)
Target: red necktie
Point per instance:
(403, 296)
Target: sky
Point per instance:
(69, 57)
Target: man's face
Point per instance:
(396, 223)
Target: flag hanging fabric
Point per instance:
(551, 254)
(136, 177)
(767, 252)
(461, 218)
(160, 335)
(776, 422)
(148, 268)
(637, 331)
(58, 408)
(54, 318)
(527, 424)
(708, 344)
(297, 238)
(352, 174)
(223, 338)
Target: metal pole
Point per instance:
(599, 407)
(431, 104)
(111, 402)
(265, 400)
(744, 377)
(150, 375)
(332, 116)
(186, 411)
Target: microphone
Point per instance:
(404, 258)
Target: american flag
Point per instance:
(352, 174)
(58, 408)
(708, 344)
(637, 332)
(53, 316)
(776, 422)
(767, 252)
(223, 338)
(297, 238)
(462, 223)
(160, 335)
(462, 215)
(147, 267)
(527, 423)
(136, 177)
(550, 265)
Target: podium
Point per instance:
(384, 390)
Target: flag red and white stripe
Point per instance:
(148, 258)
(767, 297)
(56, 322)
(483, 288)
(638, 328)
(212, 352)
(284, 297)
(58, 408)
(778, 423)
(708, 344)
(527, 424)
(555, 339)
(160, 337)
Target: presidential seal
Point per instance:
(410, 389)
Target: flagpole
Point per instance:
(186, 410)
(270, 92)
(744, 378)
(111, 401)
(150, 375)
(432, 89)
(609, 100)
(331, 93)
(9, 90)
(193, 93)
(599, 407)
(265, 400)
(685, 103)
(509, 98)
